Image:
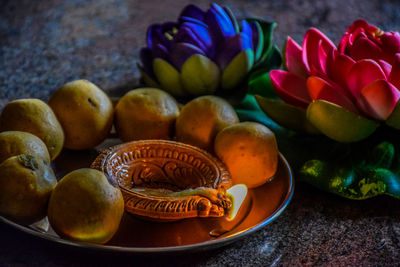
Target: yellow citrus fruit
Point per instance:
(250, 152)
(202, 118)
(14, 143)
(84, 206)
(26, 183)
(146, 113)
(85, 113)
(36, 117)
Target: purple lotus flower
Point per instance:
(202, 52)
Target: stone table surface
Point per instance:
(44, 44)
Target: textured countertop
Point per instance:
(44, 44)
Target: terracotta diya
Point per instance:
(167, 180)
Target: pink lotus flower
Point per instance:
(354, 80)
(362, 41)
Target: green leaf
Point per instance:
(391, 180)
(327, 177)
(200, 75)
(381, 155)
(248, 103)
(259, 116)
(237, 70)
(249, 110)
(168, 77)
(394, 118)
(338, 123)
(286, 115)
(260, 84)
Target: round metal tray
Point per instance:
(262, 205)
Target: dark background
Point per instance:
(44, 44)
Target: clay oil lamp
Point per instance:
(167, 181)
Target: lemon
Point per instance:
(36, 117)
(250, 152)
(146, 113)
(85, 207)
(202, 118)
(85, 113)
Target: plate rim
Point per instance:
(151, 250)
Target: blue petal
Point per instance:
(257, 39)
(246, 29)
(192, 11)
(231, 47)
(219, 26)
(156, 36)
(187, 35)
(146, 59)
(232, 18)
(224, 17)
(180, 52)
(192, 20)
(150, 33)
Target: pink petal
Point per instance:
(319, 68)
(290, 88)
(378, 99)
(363, 73)
(386, 67)
(313, 42)
(390, 45)
(394, 76)
(321, 89)
(294, 62)
(365, 48)
(339, 69)
(357, 28)
(361, 24)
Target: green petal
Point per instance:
(338, 123)
(267, 29)
(147, 79)
(286, 115)
(274, 59)
(199, 75)
(168, 77)
(394, 118)
(237, 69)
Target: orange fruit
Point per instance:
(85, 113)
(202, 118)
(146, 113)
(14, 143)
(84, 206)
(35, 117)
(250, 152)
(26, 183)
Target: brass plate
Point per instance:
(263, 205)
